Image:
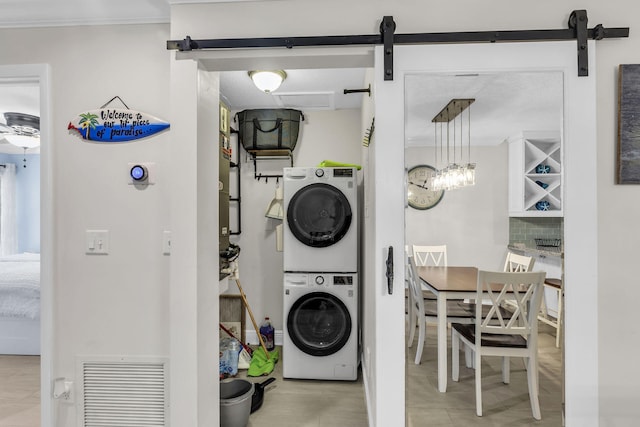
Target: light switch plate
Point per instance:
(97, 242)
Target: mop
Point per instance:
(262, 362)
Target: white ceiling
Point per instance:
(505, 104)
(302, 89)
(45, 13)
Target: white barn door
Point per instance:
(385, 351)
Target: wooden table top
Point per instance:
(450, 279)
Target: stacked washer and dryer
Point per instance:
(321, 258)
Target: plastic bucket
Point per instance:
(235, 403)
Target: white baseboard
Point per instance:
(252, 337)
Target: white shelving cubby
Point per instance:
(535, 174)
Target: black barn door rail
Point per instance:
(577, 29)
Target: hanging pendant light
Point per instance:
(470, 168)
(453, 175)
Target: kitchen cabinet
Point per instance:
(549, 262)
(552, 265)
(535, 174)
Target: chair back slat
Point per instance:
(415, 290)
(523, 289)
(518, 263)
(430, 255)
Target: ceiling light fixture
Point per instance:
(21, 130)
(453, 175)
(267, 81)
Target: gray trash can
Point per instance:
(235, 402)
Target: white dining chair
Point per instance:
(422, 311)
(435, 255)
(493, 335)
(425, 255)
(518, 263)
(556, 286)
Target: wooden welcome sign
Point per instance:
(115, 124)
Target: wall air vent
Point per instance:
(305, 100)
(124, 393)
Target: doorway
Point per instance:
(37, 75)
(475, 221)
(580, 208)
(385, 389)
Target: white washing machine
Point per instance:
(320, 326)
(321, 220)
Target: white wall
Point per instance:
(115, 304)
(473, 221)
(324, 135)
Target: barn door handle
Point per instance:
(390, 270)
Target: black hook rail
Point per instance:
(367, 90)
(577, 30)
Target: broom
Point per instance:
(253, 320)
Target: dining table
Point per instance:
(447, 283)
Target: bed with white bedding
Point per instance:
(20, 304)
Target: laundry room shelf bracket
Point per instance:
(577, 30)
(275, 155)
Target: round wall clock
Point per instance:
(419, 195)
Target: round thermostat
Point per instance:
(138, 173)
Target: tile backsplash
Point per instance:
(526, 230)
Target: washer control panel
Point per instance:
(314, 280)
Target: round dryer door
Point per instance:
(319, 215)
(319, 324)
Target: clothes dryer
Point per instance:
(321, 220)
(321, 328)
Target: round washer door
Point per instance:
(319, 215)
(319, 324)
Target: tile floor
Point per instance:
(19, 391)
(329, 403)
(310, 403)
(303, 403)
(503, 404)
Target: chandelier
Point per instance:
(452, 173)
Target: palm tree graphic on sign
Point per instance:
(88, 122)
